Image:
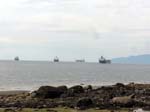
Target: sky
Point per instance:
(74, 29)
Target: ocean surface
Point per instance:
(29, 75)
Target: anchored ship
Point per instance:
(16, 58)
(102, 60)
(80, 60)
(56, 59)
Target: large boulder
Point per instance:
(75, 90)
(50, 92)
(62, 89)
(84, 103)
(88, 88)
(119, 85)
(123, 101)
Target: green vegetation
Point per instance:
(56, 110)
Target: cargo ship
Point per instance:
(80, 60)
(56, 59)
(102, 60)
(16, 58)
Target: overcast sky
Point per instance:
(74, 29)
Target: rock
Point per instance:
(140, 110)
(50, 92)
(88, 88)
(147, 92)
(75, 90)
(119, 85)
(106, 88)
(84, 103)
(106, 97)
(33, 94)
(123, 101)
(63, 89)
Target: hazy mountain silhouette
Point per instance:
(139, 59)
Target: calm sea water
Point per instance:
(31, 75)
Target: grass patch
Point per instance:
(57, 110)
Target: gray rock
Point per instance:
(50, 92)
(76, 89)
(84, 103)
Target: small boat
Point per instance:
(102, 60)
(56, 59)
(81, 60)
(16, 58)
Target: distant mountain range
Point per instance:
(139, 59)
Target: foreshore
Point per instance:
(13, 92)
(111, 98)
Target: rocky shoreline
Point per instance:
(78, 97)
